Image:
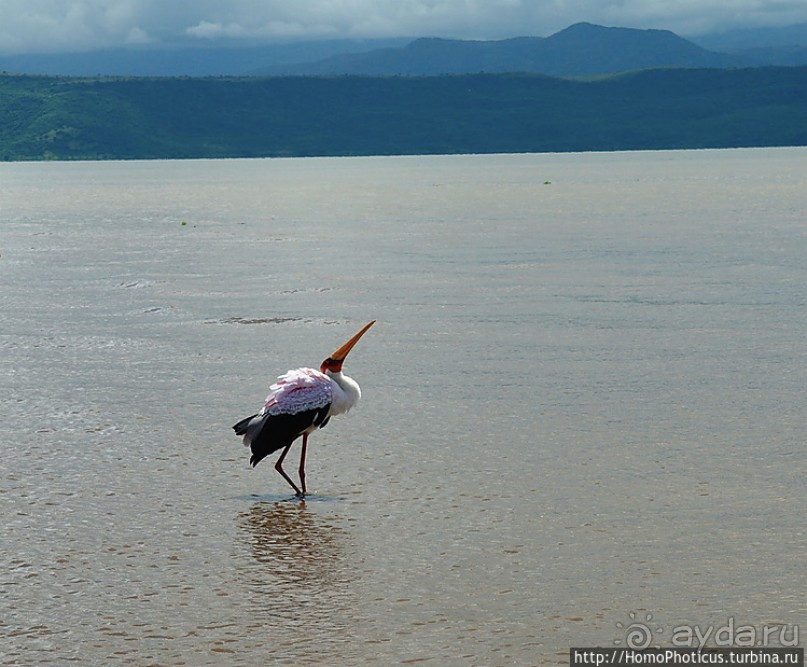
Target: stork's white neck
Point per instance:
(346, 392)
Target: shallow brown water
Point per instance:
(583, 406)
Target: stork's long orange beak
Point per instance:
(334, 362)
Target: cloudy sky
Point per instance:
(30, 26)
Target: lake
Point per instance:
(583, 410)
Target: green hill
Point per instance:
(117, 118)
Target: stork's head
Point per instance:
(334, 362)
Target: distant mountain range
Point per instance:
(586, 88)
(184, 60)
(768, 46)
(581, 50)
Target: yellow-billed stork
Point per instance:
(301, 401)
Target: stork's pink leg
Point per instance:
(279, 468)
(302, 461)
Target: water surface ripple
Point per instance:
(583, 405)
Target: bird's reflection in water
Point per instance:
(300, 573)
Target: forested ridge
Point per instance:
(45, 117)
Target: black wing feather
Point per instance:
(241, 427)
(275, 432)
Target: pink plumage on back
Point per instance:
(297, 391)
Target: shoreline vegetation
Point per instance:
(99, 118)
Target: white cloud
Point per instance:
(208, 30)
(57, 25)
(271, 30)
(138, 36)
